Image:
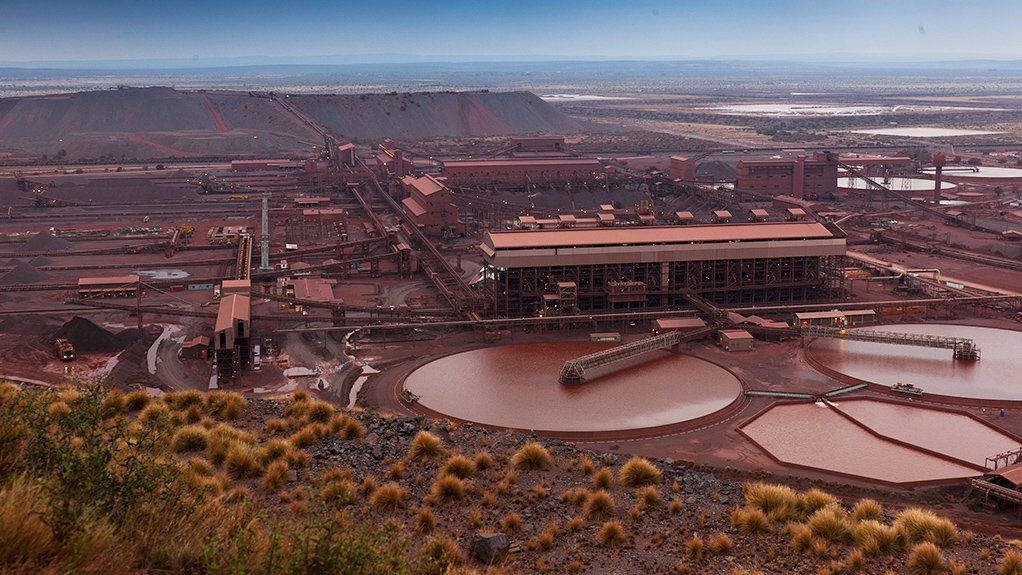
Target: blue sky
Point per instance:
(817, 29)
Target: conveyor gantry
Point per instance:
(964, 348)
(574, 370)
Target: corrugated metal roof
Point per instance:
(576, 162)
(1011, 473)
(425, 185)
(232, 307)
(584, 237)
(413, 207)
(108, 281)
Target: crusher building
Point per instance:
(577, 270)
(798, 177)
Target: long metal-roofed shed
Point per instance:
(645, 268)
(112, 286)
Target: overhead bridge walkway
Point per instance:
(574, 370)
(964, 348)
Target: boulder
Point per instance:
(490, 547)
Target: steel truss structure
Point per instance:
(602, 288)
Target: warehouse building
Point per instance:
(520, 172)
(646, 268)
(798, 177)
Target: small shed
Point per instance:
(758, 215)
(684, 217)
(195, 348)
(735, 340)
(795, 214)
(721, 216)
(666, 324)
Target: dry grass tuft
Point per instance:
(276, 425)
(396, 471)
(446, 489)
(1011, 563)
(154, 412)
(459, 466)
(867, 509)
(638, 471)
(813, 500)
(574, 525)
(545, 540)
(225, 404)
(750, 520)
(511, 522)
(720, 544)
(612, 533)
(425, 522)
(190, 438)
(599, 504)
(483, 461)
(648, 496)
(339, 493)
(23, 534)
(875, 538)
(275, 476)
(389, 498)
(801, 537)
(855, 561)
(243, 461)
(532, 456)
(926, 559)
(778, 502)
(694, 548)
(603, 479)
(136, 400)
(425, 446)
(440, 556)
(830, 523)
(923, 525)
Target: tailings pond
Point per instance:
(994, 377)
(879, 440)
(516, 386)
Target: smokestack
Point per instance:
(939, 159)
(798, 179)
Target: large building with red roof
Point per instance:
(520, 172)
(594, 270)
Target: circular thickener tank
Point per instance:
(517, 386)
(896, 184)
(994, 377)
(979, 174)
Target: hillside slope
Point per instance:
(426, 115)
(157, 123)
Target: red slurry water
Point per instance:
(952, 434)
(995, 376)
(813, 436)
(516, 386)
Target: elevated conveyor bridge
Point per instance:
(574, 370)
(964, 348)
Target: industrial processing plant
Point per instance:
(532, 317)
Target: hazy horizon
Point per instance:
(197, 34)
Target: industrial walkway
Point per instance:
(574, 370)
(964, 348)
